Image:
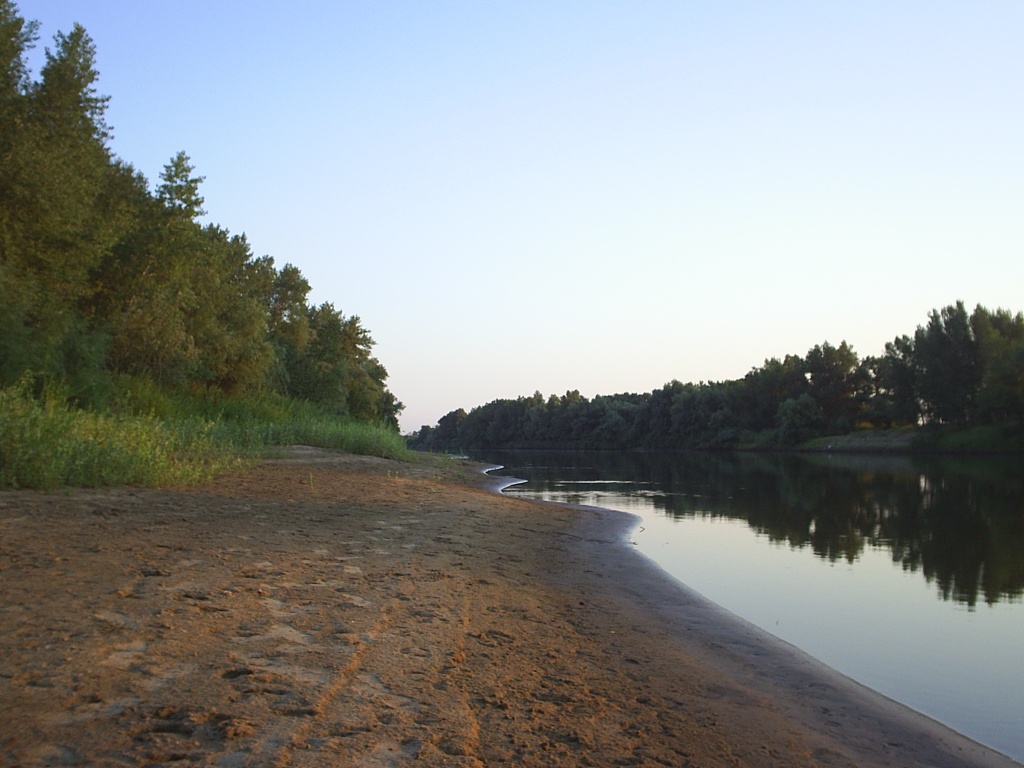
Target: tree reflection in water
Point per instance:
(957, 521)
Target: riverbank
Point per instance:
(328, 609)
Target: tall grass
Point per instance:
(258, 422)
(316, 429)
(44, 443)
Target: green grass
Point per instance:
(319, 430)
(866, 441)
(993, 438)
(45, 443)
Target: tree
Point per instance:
(179, 189)
(228, 322)
(658, 415)
(799, 420)
(832, 374)
(766, 387)
(336, 369)
(185, 304)
(448, 427)
(946, 365)
(59, 216)
(70, 230)
(703, 415)
(99, 275)
(287, 309)
(147, 283)
(1000, 342)
(895, 399)
(17, 37)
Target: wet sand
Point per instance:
(332, 610)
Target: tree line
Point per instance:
(958, 370)
(104, 280)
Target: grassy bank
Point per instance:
(866, 441)
(989, 439)
(46, 443)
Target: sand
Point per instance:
(331, 610)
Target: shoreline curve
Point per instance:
(876, 729)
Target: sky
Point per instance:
(517, 196)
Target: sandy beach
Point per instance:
(333, 610)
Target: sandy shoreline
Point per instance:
(326, 609)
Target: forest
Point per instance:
(960, 373)
(116, 298)
(108, 284)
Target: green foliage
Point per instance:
(990, 438)
(328, 361)
(999, 338)
(959, 371)
(349, 436)
(46, 444)
(946, 358)
(832, 373)
(799, 420)
(119, 294)
(894, 376)
(57, 218)
(253, 424)
(179, 189)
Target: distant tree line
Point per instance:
(960, 369)
(102, 278)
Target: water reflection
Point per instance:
(958, 522)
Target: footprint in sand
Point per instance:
(279, 632)
(117, 619)
(370, 686)
(352, 601)
(125, 656)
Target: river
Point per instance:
(904, 574)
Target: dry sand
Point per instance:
(332, 610)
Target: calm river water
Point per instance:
(904, 574)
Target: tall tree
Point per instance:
(287, 308)
(179, 190)
(228, 321)
(285, 295)
(148, 283)
(72, 163)
(832, 373)
(1000, 342)
(765, 388)
(186, 304)
(59, 213)
(946, 362)
(16, 332)
(894, 399)
(17, 37)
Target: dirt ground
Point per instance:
(332, 610)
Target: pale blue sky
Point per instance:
(603, 196)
